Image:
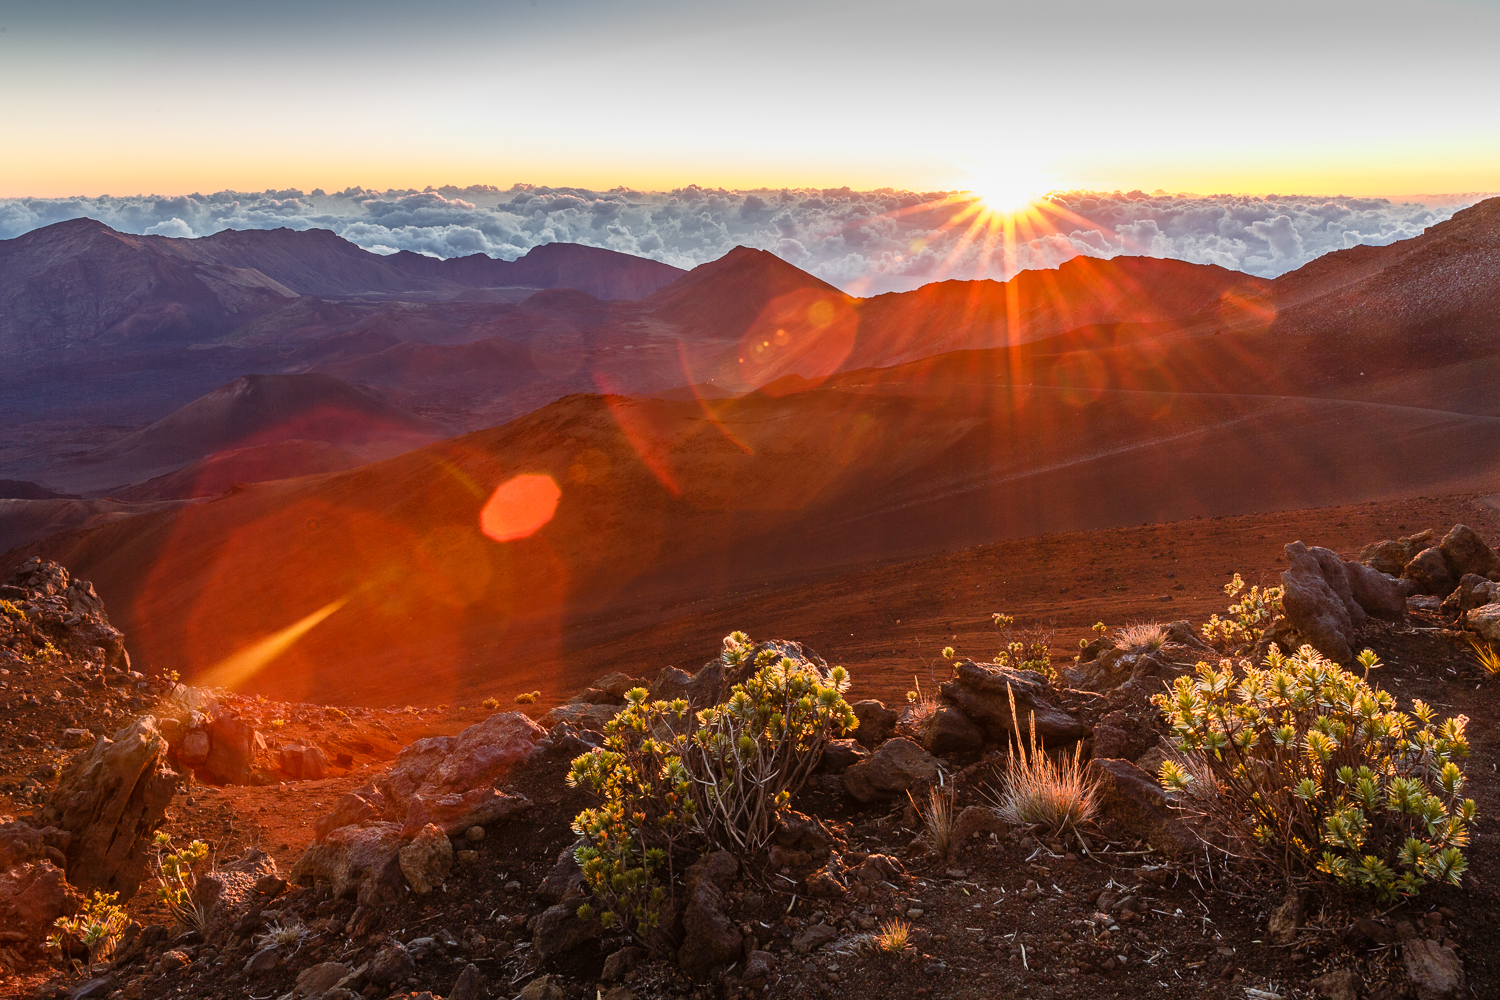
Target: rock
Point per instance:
(620, 962)
(759, 966)
(231, 754)
(427, 860)
(565, 879)
(228, 892)
(22, 842)
(543, 988)
(1473, 591)
(1315, 606)
(360, 861)
(1285, 920)
(455, 812)
(1388, 557)
(317, 979)
(194, 746)
(825, 883)
(75, 738)
(591, 717)
(470, 985)
(799, 830)
(1379, 594)
(880, 867)
(898, 764)
(476, 758)
(557, 930)
(710, 940)
(94, 989)
(617, 685)
(1122, 734)
(670, 685)
(409, 771)
(351, 809)
(983, 692)
(840, 755)
(980, 820)
(392, 964)
(1134, 801)
(474, 834)
(267, 959)
(33, 894)
(593, 696)
(112, 798)
(1434, 970)
(1430, 573)
(1466, 552)
(952, 732)
(1340, 984)
(876, 722)
(303, 763)
(1486, 621)
(813, 937)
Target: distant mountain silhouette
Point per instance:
(256, 464)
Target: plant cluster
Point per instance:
(1039, 791)
(1489, 660)
(490, 704)
(669, 778)
(527, 698)
(99, 923)
(1315, 772)
(11, 611)
(1025, 649)
(1143, 638)
(177, 877)
(1248, 617)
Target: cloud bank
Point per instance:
(866, 242)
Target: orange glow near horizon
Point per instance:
(519, 507)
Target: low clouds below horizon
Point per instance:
(866, 242)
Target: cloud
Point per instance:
(864, 241)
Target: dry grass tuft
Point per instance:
(938, 818)
(1488, 658)
(1041, 791)
(1146, 637)
(894, 936)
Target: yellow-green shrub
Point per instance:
(1248, 617)
(1316, 772)
(99, 923)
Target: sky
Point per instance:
(167, 97)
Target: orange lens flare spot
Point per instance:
(519, 507)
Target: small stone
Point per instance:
(1340, 984)
(261, 962)
(466, 857)
(320, 978)
(543, 988)
(474, 834)
(1433, 969)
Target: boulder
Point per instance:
(351, 809)
(409, 771)
(1465, 552)
(710, 939)
(840, 755)
(1315, 607)
(1486, 621)
(303, 763)
(1434, 970)
(1379, 594)
(455, 812)
(1430, 573)
(557, 930)
(898, 764)
(876, 722)
(359, 861)
(194, 747)
(950, 731)
(983, 692)
(231, 753)
(1134, 802)
(1123, 735)
(33, 894)
(589, 716)
(427, 860)
(230, 891)
(1391, 556)
(21, 842)
(111, 799)
(1473, 591)
(617, 685)
(475, 759)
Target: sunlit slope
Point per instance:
(664, 501)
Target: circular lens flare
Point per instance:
(519, 507)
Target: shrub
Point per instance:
(99, 924)
(1037, 790)
(668, 779)
(1143, 638)
(1025, 649)
(11, 611)
(177, 878)
(490, 704)
(526, 698)
(1248, 617)
(1318, 775)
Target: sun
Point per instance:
(1007, 189)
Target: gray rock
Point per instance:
(427, 860)
(983, 692)
(392, 964)
(1466, 552)
(1434, 970)
(1379, 594)
(876, 722)
(359, 861)
(1315, 608)
(557, 930)
(1430, 573)
(898, 764)
(951, 731)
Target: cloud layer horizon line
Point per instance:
(866, 242)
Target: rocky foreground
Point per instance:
(445, 868)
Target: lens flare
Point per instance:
(234, 670)
(519, 507)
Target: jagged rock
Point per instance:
(710, 940)
(318, 979)
(229, 891)
(620, 962)
(801, 831)
(565, 878)
(1466, 552)
(474, 759)
(455, 812)
(409, 771)
(33, 894)
(231, 753)
(351, 809)
(303, 763)
(543, 988)
(881, 867)
(362, 861)
(952, 732)
(392, 964)
(825, 882)
(557, 929)
(1391, 556)
(1340, 984)
(980, 820)
(813, 937)
(1430, 573)
(1122, 734)
(1316, 606)
(1486, 621)
(427, 860)
(876, 722)
(616, 685)
(898, 764)
(21, 842)
(112, 798)
(670, 685)
(1434, 970)
(1135, 802)
(983, 692)
(840, 755)
(194, 746)
(469, 985)
(1381, 595)
(589, 716)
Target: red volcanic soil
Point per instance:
(256, 464)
